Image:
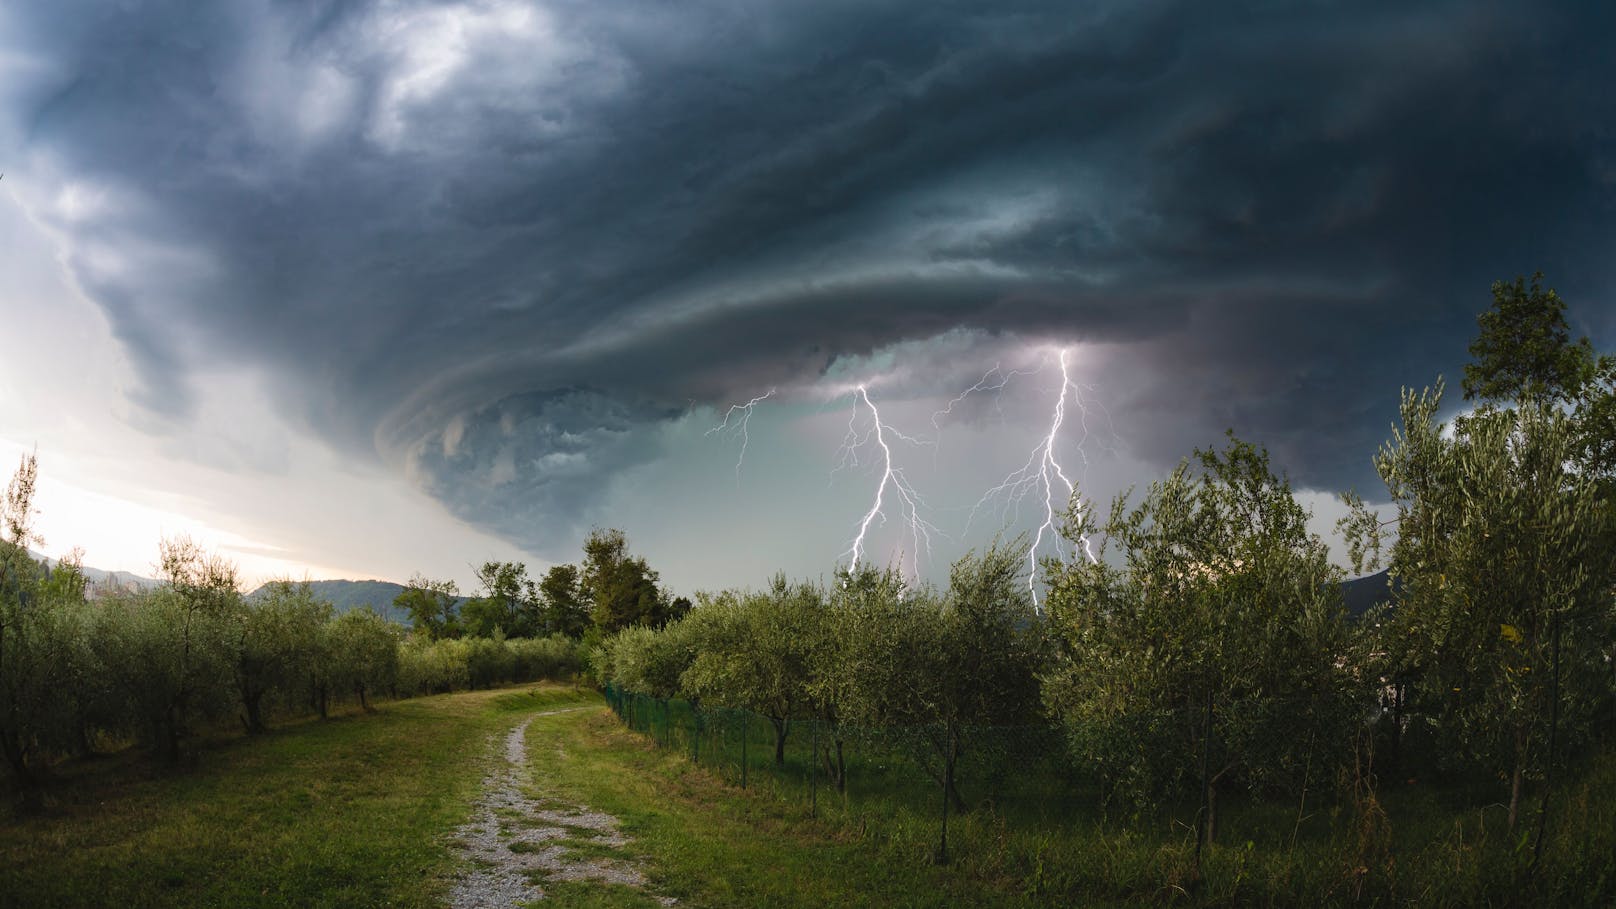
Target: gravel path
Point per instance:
(515, 842)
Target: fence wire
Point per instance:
(1015, 769)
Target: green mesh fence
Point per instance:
(1018, 770)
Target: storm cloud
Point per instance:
(500, 244)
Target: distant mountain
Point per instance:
(1365, 593)
(344, 595)
(104, 582)
(349, 595)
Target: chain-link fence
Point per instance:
(1026, 774)
(1018, 770)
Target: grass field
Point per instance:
(1033, 839)
(356, 811)
(348, 812)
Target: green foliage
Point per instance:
(1595, 426)
(428, 666)
(172, 663)
(1501, 538)
(361, 654)
(279, 646)
(622, 589)
(431, 607)
(648, 660)
(562, 604)
(752, 651)
(41, 656)
(1525, 351)
(555, 658)
(1218, 633)
(509, 602)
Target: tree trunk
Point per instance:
(836, 765)
(320, 700)
(1203, 831)
(10, 743)
(17, 757)
(1517, 778)
(363, 704)
(1548, 767)
(255, 719)
(171, 732)
(781, 727)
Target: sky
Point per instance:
(365, 289)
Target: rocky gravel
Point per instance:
(515, 843)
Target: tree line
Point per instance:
(611, 590)
(81, 674)
(1207, 650)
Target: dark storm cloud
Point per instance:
(500, 244)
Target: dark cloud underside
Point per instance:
(501, 243)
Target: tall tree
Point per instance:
(561, 597)
(431, 607)
(1524, 351)
(509, 602)
(622, 589)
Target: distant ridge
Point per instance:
(104, 582)
(1365, 593)
(346, 596)
(343, 595)
(349, 595)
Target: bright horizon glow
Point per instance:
(121, 534)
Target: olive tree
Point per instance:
(753, 650)
(1211, 646)
(361, 654)
(934, 668)
(277, 644)
(25, 682)
(1503, 559)
(1506, 543)
(649, 661)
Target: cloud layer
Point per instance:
(499, 245)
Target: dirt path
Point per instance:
(516, 843)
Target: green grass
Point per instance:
(348, 812)
(356, 811)
(712, 844)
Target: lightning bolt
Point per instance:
(1043, 479)
(994, 380)
(741, 427)
(893, 479)
(1043, 476)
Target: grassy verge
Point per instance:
(709, 843)
(712, 845)
(347, 812)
